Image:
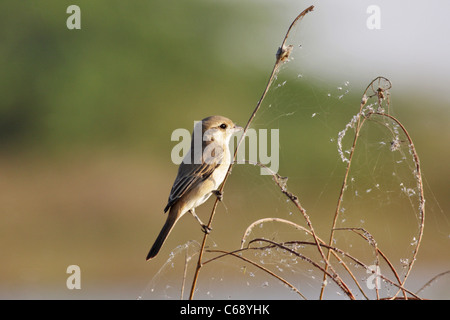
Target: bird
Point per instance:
(200, 174)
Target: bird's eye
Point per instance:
(223, 126)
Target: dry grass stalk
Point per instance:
(281, 57)
(379, 89)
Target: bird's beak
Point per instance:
(237, 128)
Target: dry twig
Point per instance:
(281, 57)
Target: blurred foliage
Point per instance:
(120, 78)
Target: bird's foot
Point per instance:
(218, 194)
(206, 229)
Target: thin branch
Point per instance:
(337, 250)
(432, 280)
(281, 183)
(299, 227)
(380, 92)
(377, 250)
(233, 253)
(366, 235)
(418, 176)
(251, 226)
(281, 57)
(333, 276)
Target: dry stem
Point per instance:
(281, 57)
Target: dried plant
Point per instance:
(282, 56)
(329, 258)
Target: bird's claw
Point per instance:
(218, 194)
(206, 229)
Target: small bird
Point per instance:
(200, 174)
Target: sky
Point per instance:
(410, 46)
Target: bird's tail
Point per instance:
(165, 231)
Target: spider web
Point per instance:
(316, 119)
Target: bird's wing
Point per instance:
(189, 175)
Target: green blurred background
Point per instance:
(86, 118)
